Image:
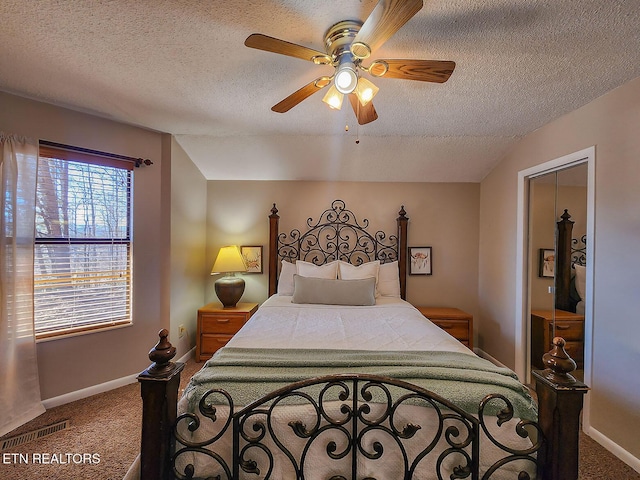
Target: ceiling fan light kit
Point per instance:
(346, 77)
(347, 44)
(365, 91)
(333, 98)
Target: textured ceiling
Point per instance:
(181, 67)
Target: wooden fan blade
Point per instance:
(299, 95)
(366, 114)
(437, 71)
(275, 45)
(386, 19)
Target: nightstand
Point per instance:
(454, 321)
(569, 326)
(216, 326)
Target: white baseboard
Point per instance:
(101, 388)
(187, 356)
(614, 448)
(89, 391)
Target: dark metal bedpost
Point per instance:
(159, 389)
(273, 250)
(403, 251)
(560, 398)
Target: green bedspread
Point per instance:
(248, 374)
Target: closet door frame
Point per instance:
(524, 264)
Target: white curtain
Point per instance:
(20, 390)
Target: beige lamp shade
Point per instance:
(229, 260)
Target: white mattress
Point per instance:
(392, 325)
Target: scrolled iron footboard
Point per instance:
(358, 425)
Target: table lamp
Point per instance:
(229, 288)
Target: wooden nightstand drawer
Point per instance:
(568, 330)
(456, 328)
(211, 343)
(223, 323)
(217, 325)
(458, 323)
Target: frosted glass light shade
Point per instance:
(365, 91)
(333, 98)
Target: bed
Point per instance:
(336, 376)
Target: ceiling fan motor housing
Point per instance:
(339, 38)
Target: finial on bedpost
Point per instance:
(560, 398)
(162, 353)
(274, 211)
(402, 213)
(159, 390)
(559, 364)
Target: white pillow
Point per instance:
(346, 271)
(581, 280)
(328, 270)
(285, 280)
(389, 280)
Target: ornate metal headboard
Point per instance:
(337, 235)
(579, 251)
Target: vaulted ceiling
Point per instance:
(181, 67)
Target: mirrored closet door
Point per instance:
(557, 239)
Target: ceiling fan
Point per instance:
(348, 43)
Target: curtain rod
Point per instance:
(136, 161)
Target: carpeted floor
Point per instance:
(107, 427)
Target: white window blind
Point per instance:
(82, 272)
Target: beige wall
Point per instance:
(70, 364)
(189, 268)
(441, 215)
(472, 229)
(611, 123)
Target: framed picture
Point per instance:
(546, 267)
(420, 261)
(252, 255)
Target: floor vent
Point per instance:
(34, 435)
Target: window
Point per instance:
(82, 265)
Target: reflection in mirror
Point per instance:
(554, 300)
(542, 208)
(572, 199)
(570, 278)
